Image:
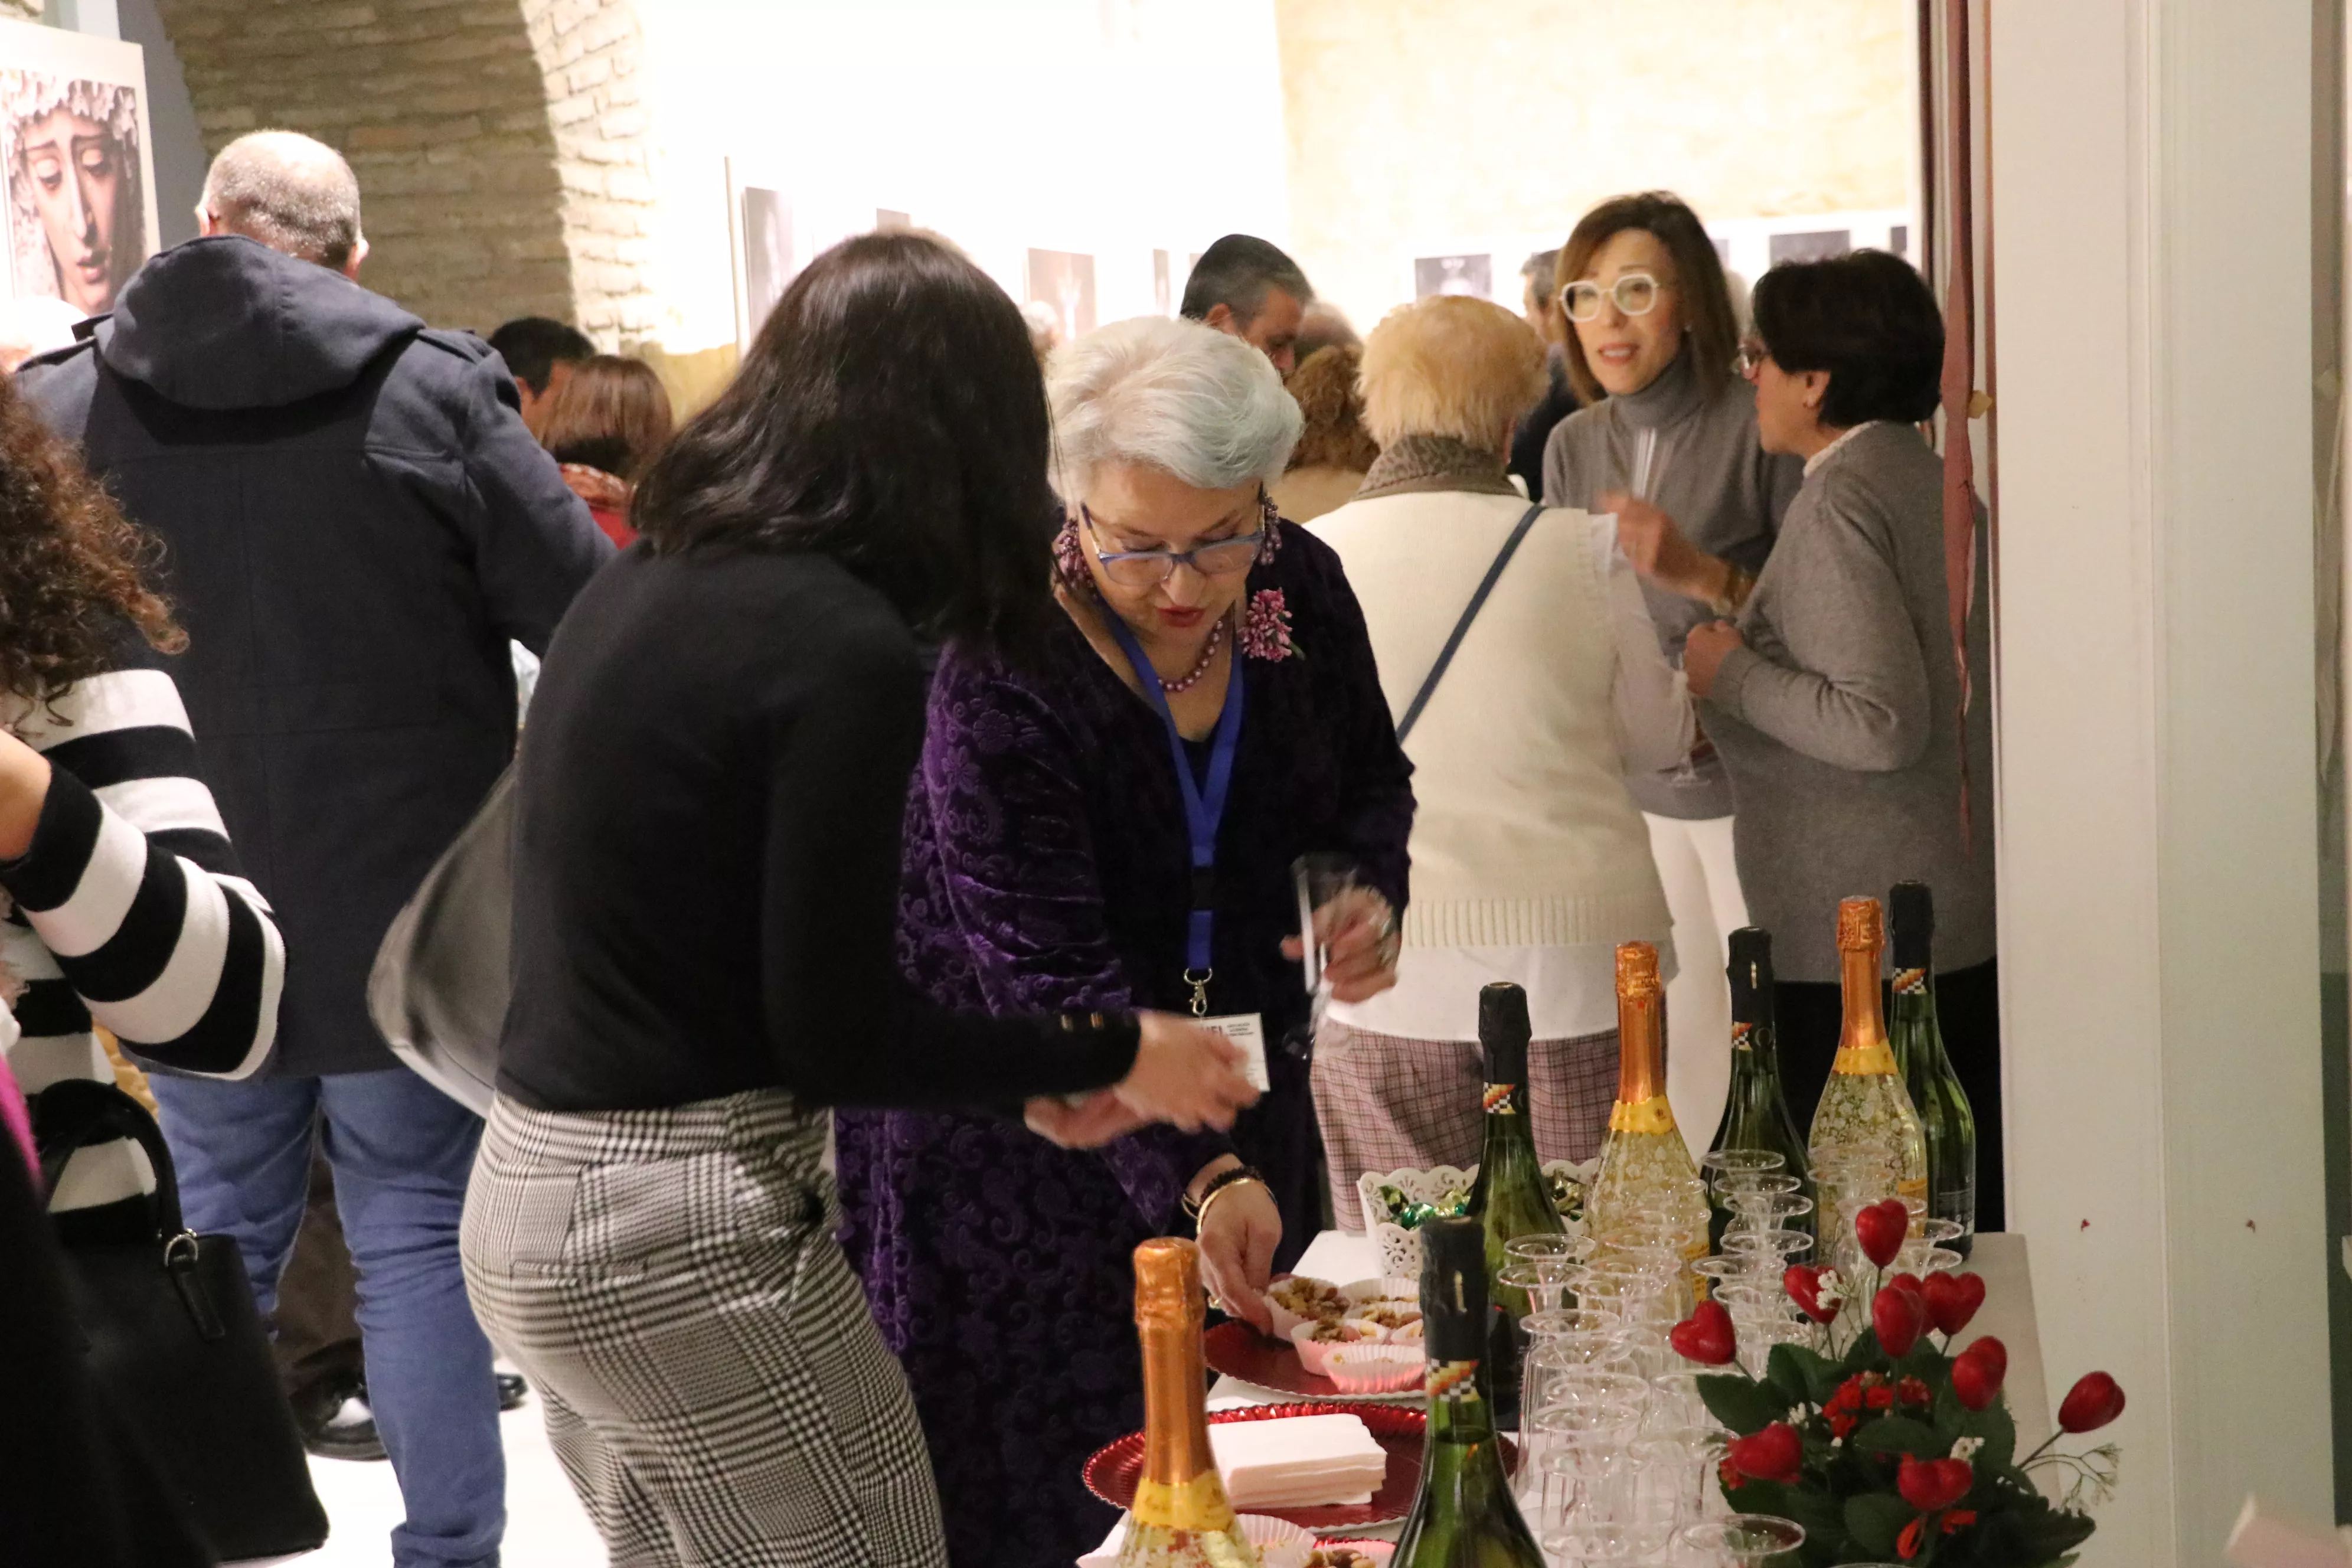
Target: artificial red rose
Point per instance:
(1928, 1485)
(1959, 1519)
(1842, 1424)
(1804, 1284)
(1914, 1536)
(1774, 1454)
(1728, 1473)
(1953, 1300)
(2091, 1403)
(1911, 1391)
(1900, 1318)
(1881, 1229)
(1705, 1336)
(1880, 1398)
(1976, 1374)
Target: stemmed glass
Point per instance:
(1744, 1540)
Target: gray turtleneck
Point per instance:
(1723, 490)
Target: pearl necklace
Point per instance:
(1200, 671)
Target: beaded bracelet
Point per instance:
(1218, 1183)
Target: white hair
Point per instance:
(1170, 394)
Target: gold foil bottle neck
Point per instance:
(1167, 1283)
(1637, 968)
(1862, 926)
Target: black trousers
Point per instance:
(1809, 1017)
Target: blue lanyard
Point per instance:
(1204, 810)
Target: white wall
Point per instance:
(1107, 127)
(2159, 942)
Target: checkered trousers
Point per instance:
(1387, 1103)
(714, 1385)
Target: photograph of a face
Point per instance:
(76, 187)
(767, 253)
(1065, 284)
(1471, 275)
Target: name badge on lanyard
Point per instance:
(1247, 1030)
(1204, 806)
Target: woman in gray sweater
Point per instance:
(1836, 698)
(1672, 452)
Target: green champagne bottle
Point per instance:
(1756, 1112)
(1510, 1199)
(1918, 1040)
(1464, 1516)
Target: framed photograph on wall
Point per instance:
(78, 160)
(1064, 282)
(766, 245)
(1471, 275)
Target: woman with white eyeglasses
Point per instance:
(1673, 451)
(1103, 821)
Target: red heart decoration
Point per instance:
(1992, 1351)
(1909, 1284)
(1775, 1454)
(1976, 1374)
(1900, 1318)
(1929, 1485)
(1804, 1283)
(1953, 1300)
(1881, 1229)
(1705, 1336)
(2091, 1403)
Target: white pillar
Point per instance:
(2159, 959)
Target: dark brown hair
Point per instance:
(71, 565)
(891, 415)
(1325, 387)
(1868, 319)
(1707, 318)
(614, 414)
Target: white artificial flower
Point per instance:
(1966, 1447)
(1832, 1290)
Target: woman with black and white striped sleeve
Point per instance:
(124, 905)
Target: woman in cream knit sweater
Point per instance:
(1530, 858)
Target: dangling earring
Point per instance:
(1070, 556)
(1269, 522)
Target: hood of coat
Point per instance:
(227, 322)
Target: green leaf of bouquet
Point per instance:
(1875, 1520)
(1997, 1428)
(1746, 1407)
(1899, 1435)
(1795, 1373)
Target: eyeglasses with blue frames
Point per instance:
(1149, 568)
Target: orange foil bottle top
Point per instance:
(1179, 1488)
(1641, 1041)
(1637, 968)
(1862, 926)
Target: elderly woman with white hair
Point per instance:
(1110, 822)
(1531, 861)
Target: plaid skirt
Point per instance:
(1387, 1103)
(715, 1387)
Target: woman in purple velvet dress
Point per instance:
(1055, 860)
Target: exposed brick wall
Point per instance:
(494, 140)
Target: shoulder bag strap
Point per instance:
(1461, 627)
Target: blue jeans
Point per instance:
(401, 1153)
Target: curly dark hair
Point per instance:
(1325, 385)
(72, 568)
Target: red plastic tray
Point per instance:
(1237, 1349)
(1112, 1473)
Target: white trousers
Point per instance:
(1704, 898)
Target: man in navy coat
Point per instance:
(355, 523)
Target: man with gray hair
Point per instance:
(356, 523)
(1249, 289)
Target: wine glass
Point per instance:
(1744, 1540)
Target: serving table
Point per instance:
(2007, 1314)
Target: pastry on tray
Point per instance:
(1316, 1340)
(1301, 1299)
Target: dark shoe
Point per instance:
(336, 1423)
(512, 1390)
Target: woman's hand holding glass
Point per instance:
(1660, 552)
(1356, 931)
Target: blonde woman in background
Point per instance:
(1334, 449)
(1530, 858)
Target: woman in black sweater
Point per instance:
(706, 875)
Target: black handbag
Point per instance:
(176, 1348)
